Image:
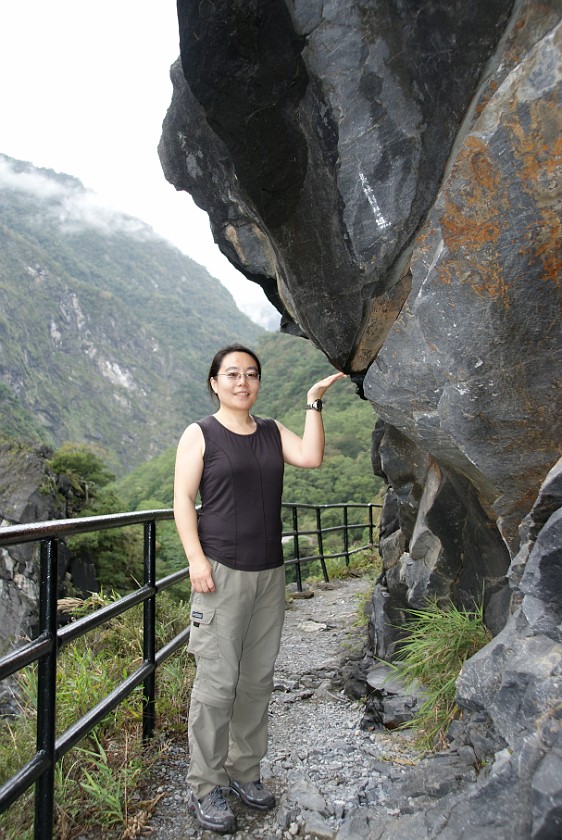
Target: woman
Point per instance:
(235, 557)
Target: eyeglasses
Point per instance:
(234, 375)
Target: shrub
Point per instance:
(439, 642)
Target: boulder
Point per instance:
(388, 173)
(322, 130)
(517, 678)
(463, 370)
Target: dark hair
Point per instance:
(218, 360)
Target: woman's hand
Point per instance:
(319, 389)
(308, 451)
(200, 573)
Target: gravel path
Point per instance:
(319, 762)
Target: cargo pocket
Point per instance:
(203, 636)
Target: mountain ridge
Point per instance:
(104, 326)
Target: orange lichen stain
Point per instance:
(539, 155)
(485, 174)
(444, 271)
(485, 97)
(541, 145)
(490, 283)
(548, 249)
(478, 220)
(460, 232)
(553, 157)
(477, 212)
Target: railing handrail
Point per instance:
(35, 531)
(332, 505)
(44, 649)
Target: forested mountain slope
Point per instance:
(106, 330)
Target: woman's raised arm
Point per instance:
(308, 451)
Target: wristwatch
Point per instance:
(315, 406)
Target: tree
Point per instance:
(81, 462)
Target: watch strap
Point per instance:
(316, 405)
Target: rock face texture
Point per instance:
(389, 172)
(22, 479)
(31, 492)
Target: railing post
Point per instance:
(345, 536)
(371, 528)
(149, 636)
(296, 548)
(46, 689)
(321, 543)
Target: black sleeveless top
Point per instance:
(241, 489)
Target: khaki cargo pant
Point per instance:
(235, 637)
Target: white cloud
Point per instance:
(74, 207)
(29, 182)
(86, 210)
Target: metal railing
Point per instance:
(297, 533)
(40, 769)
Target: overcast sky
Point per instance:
(84, 89)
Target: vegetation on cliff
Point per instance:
(437, 644)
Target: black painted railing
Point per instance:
(40, 769)
(299, 535)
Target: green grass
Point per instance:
(439, 642)
(98, 781)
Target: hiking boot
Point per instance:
(253, 794)
(213, 812)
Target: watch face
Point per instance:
(317, 405)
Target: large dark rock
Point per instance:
(517, 678)
(463, 372)
(388, 172)
(326, 128)
(501, 777)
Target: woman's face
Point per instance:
(237, 382)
